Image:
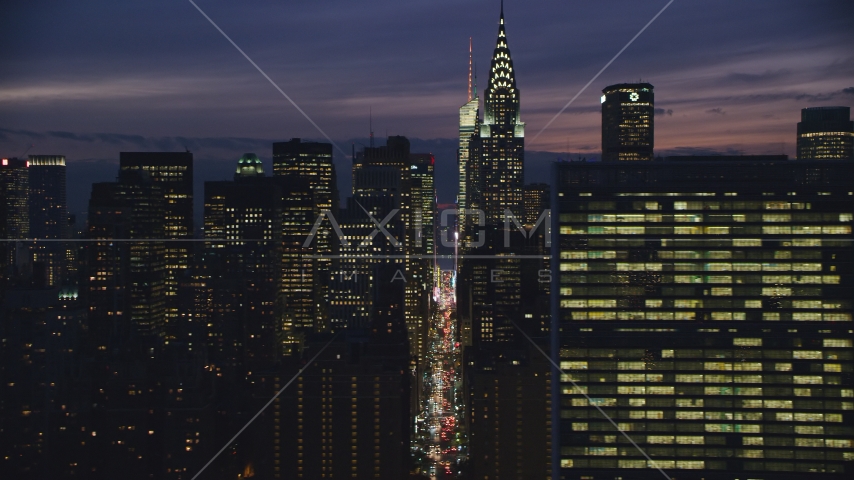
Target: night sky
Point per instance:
(90, 79)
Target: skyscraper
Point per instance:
(243, 232)
(496, 157)
(627, 122)
(15, 178)
(173, 172)
(313, 162)
(382, 189)
(825, 133)
(105, 284)
(494, 185)
(705, 307)
(469, 117)
(424, 200)
(421, 264)
(126, 279)
(305, 279)
(15, 175)
(48, 217)
(48, 208)
(506, 385)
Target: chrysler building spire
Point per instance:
(495, 175)
(501, 99)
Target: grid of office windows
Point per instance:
(710, 319)
(724, 399)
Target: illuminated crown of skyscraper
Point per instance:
(501, 88)
(249, 165)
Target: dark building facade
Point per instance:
(173, 172)
(628, 113)
(239, 286)
(49, 219)
(48, 203)
(126, 279)
(242, 260)
(104, 289)
(509, 414)
(348, 413)
(705, 307)
(381, 192)
(15, 175)
(825, 133)
(43, 392)
(15, 179)
(394, 188)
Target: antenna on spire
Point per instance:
(470, 97)
(371, 125)
(502, 12)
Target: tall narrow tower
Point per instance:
(497, 150)
(14, 185)
(469, 117)
(313, 162)
(48, 217)
(173, 172)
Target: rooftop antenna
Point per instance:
(470, 97)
